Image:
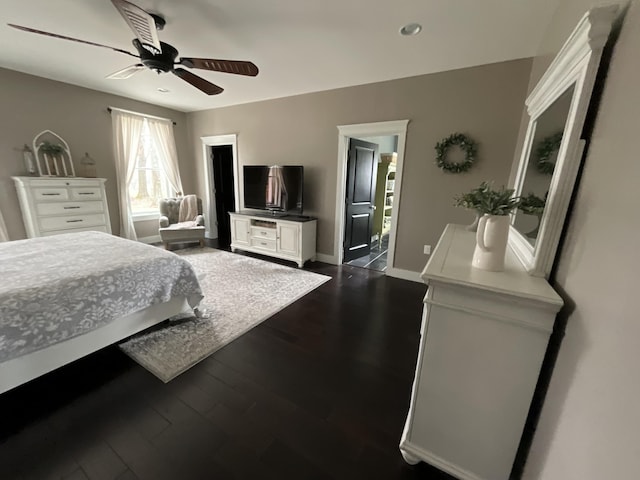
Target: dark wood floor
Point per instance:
(318, 391)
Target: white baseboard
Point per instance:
(324, 258)
(404, 274)
(151, 239)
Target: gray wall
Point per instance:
(32, 104)
(484, 102)
(590, 419)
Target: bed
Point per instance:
(65, 296)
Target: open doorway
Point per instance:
(220, 159)
(369, 192)
(223, 191)
(378, 185)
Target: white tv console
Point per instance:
(289, 237)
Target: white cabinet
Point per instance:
(483, 339)
(62, 205)
(240, 230)
(290, 238)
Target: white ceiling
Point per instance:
(300, 46)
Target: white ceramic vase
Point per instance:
(491, 242)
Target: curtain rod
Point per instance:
(111, 109)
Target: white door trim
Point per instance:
(209, 204)
(396, 127)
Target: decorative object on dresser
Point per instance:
(52, 155)
(557, 108)
(289, 237)
(62, 205)
(467, 145)
(471, 201)
(29, 160)
(483, 339)
(88, 167)
(493, 227)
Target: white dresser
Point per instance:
(289, 238)
(483, 339)
(62, 205)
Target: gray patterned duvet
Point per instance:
(59, 287)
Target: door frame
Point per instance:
(345, 132)
(209, 205)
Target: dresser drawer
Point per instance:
(68, 208)
(85, 193)
(48, 183)
(50, 194)
(261, 232)
(72, 221)
(264, 244)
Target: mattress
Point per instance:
(59, 287)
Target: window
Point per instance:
(146, 165)
(149, 182)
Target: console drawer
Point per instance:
(261, 232)
(264, 244)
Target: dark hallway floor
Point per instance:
(318, 391)
(377, 259)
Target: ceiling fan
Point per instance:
(157, 55)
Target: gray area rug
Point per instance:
(240, 292)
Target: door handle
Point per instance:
(373, 207)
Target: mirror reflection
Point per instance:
(549, 129)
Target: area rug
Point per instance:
(240, 292)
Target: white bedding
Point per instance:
(56, 288)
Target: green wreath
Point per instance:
(546, 148)
(465, 143)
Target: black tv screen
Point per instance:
(275, 188)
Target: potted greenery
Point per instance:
(471, 201)
(494, 206)
(51, 148)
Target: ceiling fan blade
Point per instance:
(55, 35)
(226, 66)
(126, 72)
(198, 82)
(141, 23)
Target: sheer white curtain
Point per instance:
(127, 130)
(161, 132)
(4, 235)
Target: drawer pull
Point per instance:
(263, 233)
(73, 221)
(85, 193)
(69, 208)
(263, 243)
(51, 194)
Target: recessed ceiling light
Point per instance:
(411, 29)
(163, 90)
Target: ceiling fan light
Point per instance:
(410, 29)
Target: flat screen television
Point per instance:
(274, 188)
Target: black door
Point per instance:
(222, 158)
(362, 169)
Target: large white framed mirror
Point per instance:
(552, 149)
